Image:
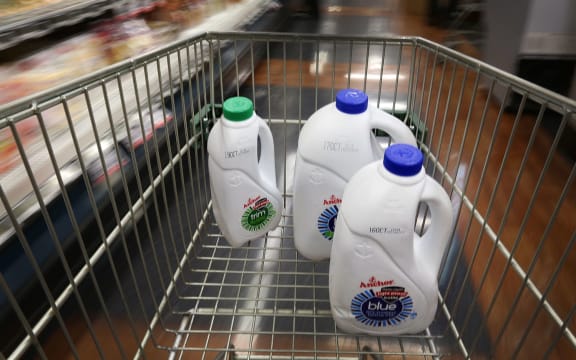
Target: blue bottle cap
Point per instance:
(351, 101)
(403, 159)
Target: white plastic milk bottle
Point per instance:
(382, 278)
(335, 143)
(245, 199)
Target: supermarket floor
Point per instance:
(525, 148)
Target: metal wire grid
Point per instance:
(197, 298)
(151, 184)
(265, 300)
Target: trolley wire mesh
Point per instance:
(151, 276)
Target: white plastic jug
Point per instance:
(334, 143)
(383, 276)
(245, 199)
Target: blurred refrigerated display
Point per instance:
(105, 42)
(24, 20)
(16, 7)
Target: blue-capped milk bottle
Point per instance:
(334, 143)
(382, 278)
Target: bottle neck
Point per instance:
(238, 124)
(401, 180)
(351, 117)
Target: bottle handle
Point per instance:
(266, 164)
(430, 247)
(398, 131)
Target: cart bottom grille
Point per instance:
(264, 300)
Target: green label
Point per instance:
(259, 211)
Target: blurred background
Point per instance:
(48, 43)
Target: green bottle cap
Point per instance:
(238, 108)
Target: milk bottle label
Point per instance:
(382, 303)
(328, 216)
(257, 214)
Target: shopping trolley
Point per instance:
(107, 213)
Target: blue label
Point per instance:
(385, 307)
(327, 222)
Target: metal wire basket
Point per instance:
(113, 251)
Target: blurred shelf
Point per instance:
(43, 20)
(246, 14)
